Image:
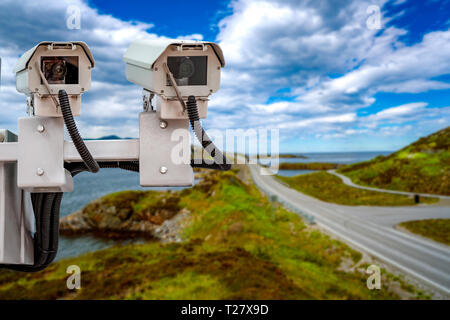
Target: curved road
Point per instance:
(371, 230)
(350, 183)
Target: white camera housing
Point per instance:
(67, 65)
(200, 62)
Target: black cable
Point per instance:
(71, 126)
(54, 230)
(204, 165)
(46, 210)
(220, 161)
(78, 167)
(46, 207)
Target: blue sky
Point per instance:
(170, 18)
(313, 69)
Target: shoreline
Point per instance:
(78, 224)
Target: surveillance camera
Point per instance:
(52, 66)
(194, 65)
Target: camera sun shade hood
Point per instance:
(22, 64)
(149, 50)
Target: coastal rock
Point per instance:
(74, 223)
(147, 214)
(169, 230)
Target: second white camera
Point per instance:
(195, 66)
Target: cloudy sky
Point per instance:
(328, 74)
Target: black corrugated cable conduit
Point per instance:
(46, 207)
(46, 210)
(220, 161)
(71, 126)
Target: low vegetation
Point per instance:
(308, 166)
(423, 166)
(436, 229)
(327, 187)
(236, 245)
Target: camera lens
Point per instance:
(60, 70)
(186, 69)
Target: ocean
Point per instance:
(333, 157)
(88, 187)
(337, 157)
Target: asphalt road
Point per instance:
(371, 230)
(350, 183)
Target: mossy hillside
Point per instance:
(149, 206)
(423, 166)
(237, 245)
(328, 187)
(435, 229)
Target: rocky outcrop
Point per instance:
(128, 214)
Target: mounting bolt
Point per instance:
(163, 124)
(40, 171)
(40, 128)
(163, 170)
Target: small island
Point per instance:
(129, 214)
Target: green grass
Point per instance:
(237, 245)
(327, 187)
(423, 166)
(436, 229)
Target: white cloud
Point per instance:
(195, 36)
(399, 111)
(318, 58)
(271, 45)
(337, 119)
